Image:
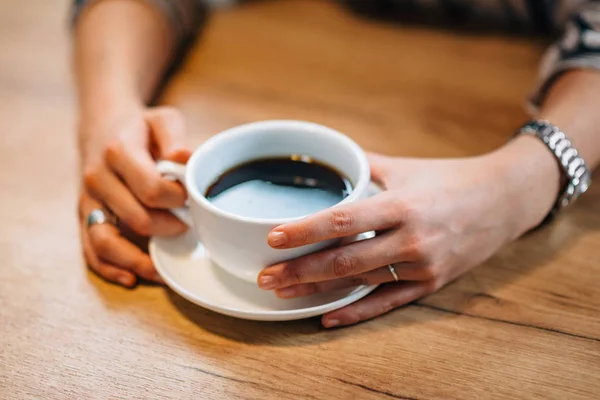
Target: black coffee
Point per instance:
(283, 187)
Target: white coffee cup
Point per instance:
(236, 243)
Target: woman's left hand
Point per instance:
(436, 219)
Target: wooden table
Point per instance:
(526, 324)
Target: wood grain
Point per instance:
(526, 324)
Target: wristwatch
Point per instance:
(574, 169)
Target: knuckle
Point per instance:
(293, 274)
(152, 193)
(405, 212)
(414, 250)
(113, 151)
(341, 221)
(429, 272)
(411, 212)
(302, 234)
(141, 224)
(101, 240)
(169, 119)
(91, 177)
(398, 209)
(169, 113)
(343, 264)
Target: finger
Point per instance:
(379, 167)
(134, 164)
(375, 277)
(179, 156)
(167, 127)
(376, 213)
(344, 261)
(104, 270)
(163, 223)
(104, 185)
(109, 246)
(379, 302)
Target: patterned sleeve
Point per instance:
(579, 48)
(185, 16)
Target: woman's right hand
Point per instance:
(119, 176)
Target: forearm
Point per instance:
(122, 48)
(567, 94)
(572, 104)
(528, 168)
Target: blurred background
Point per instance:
(301, 59)
(38, 167)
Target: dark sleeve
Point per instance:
(185, 16)
(578, 48)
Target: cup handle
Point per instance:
(176, 172)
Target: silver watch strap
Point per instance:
(572, 165)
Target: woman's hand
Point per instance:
(436, 219)
(119, 176)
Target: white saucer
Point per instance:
(183, 264)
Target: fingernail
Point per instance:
(277, 239)
(331, 323)
(287, 292)
(266, 282)
(125, 280)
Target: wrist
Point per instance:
(531, 178)
(122, 49)
(105, 103)
(98, 127)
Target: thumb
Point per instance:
(168, 133)
(180, 156)
(379, 167)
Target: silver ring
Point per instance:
(97, 217)
(393, 272)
